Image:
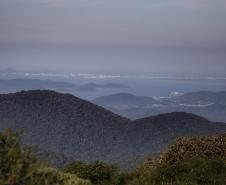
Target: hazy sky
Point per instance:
(117, 36)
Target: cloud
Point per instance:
(109, 3)
(175, 23)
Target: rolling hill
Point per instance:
(65, 124)
(123, 101)
(211, 105)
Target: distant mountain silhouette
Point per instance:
(15, 85)
(202, 97)
(124, 101)
(92, 87)
(65, 124)
(211, 105)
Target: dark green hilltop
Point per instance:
(67, 125)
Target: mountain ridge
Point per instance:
(124, 100)
(211, 105)
(64, 123)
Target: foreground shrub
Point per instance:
(202, 147)
(195, 171)
(20, 166)
(98, 173)
(189, 161)
(58, 177)
(17, 164)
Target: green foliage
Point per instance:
(202, 147)
(196, 171)
(190, 161)
(17, 164)
(58, 177)
(20, 166)
(98, 173)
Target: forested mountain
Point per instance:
(63, 123)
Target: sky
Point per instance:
(164, 37)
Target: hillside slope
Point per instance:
(124, 100)
(63, 123)
(211, 105)
(164, 128)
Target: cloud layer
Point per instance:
(119, 35)
(114, 22)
